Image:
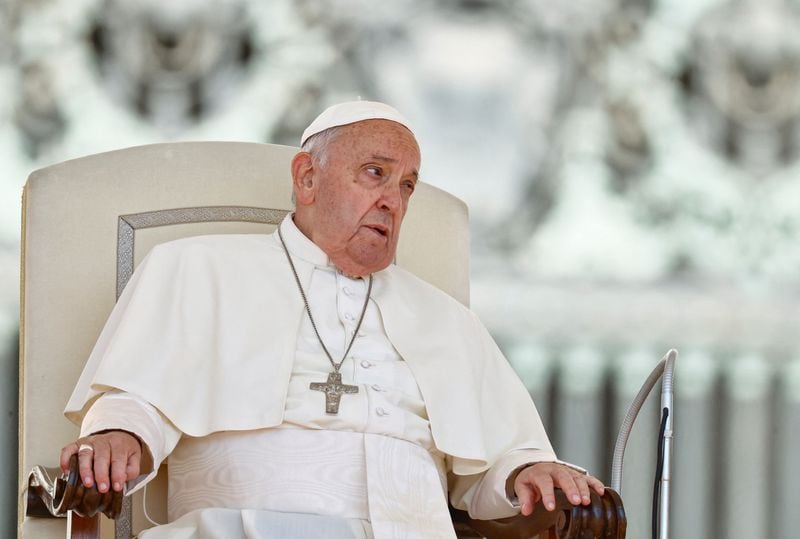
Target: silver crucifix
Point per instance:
(334, 389)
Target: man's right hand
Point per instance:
(112, 457)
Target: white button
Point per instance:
(376, 387)
(366, 364)
(347, 291)
(349, 317)
(381, 412)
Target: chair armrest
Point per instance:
(52, 493)
(603, 517)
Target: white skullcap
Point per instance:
(352, 112)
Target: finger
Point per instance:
(102, 462)
(544, 484)
(596, 484)
(525, 495)
(583, 488)
(119, 466)
(66, 452)
(567, 483)
(85, 464)
(134, 465)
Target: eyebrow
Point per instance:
(385, 159)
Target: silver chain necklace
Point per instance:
(333, 388)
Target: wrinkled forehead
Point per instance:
(381, 138)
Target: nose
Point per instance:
(390, 199)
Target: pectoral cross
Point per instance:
(334, 389)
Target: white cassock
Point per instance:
(208, 357)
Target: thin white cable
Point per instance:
(144, 507)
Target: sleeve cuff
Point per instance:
(120, 411)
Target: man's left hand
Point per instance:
(536, 482)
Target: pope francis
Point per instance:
(300, 384)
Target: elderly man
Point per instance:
(300, 383)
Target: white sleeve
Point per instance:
(485, 496)
(117, 410)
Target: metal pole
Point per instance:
(665, 367)
(666, 472)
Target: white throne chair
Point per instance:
(86, 225)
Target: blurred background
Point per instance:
(631, 168)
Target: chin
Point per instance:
(362, 268)
(374, 267)
(380, 267)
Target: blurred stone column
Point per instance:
(534, 365)
(746, 450)
(9, 377)
(787, 464)
(579, 410)
(696, 437)
(632, 369)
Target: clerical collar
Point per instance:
(301, 245)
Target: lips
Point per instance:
(382, 230)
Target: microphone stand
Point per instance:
(664, 473)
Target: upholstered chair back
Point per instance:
(88, 222)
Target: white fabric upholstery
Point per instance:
(69, 262)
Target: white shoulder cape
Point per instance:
(206, 328)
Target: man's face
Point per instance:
(352, 205)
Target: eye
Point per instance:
(375, 171)
(409, 185)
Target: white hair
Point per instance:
(317, 145)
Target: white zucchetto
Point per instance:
(352, 112)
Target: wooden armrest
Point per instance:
(52, 493)
(604, 517)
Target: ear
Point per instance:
(303, 178)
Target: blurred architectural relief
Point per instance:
(632, 169)
(172, 62)
(744, 93)
(37, 116)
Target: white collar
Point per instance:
(301, 246)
